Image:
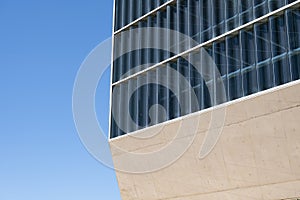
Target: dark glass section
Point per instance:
(118, 15)
(115, 132)
(246, 11)
(232, 14)
(184, 91)
(293, 22)
(152, 101)
(174, 107)
(234, 68)
(163, 94)
(162, 38)
(132, 121)
(260, 8)
(196, 79)
(276, 4)
(218, 17)
(194, 19)
(172, 21)
(144, 62)
(182, 21)
(263, 57)
(249, 74)
(125, 44)
(117, 122)
(142, 102)
(153, 4)
(125, 12)
(207, 73)
(279, 46)
(205, 20)
(220, 59)
(145, 7)
(130, 42)
(136, 9)
(116, 63)
(130, 10)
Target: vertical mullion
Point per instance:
(271, 50)
(130, 63)
(178, 50)
(241, 64)
(168, 43)
(294, 42)
(287, 21)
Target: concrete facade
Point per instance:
(256, 157)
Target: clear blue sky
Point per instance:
(42, 44)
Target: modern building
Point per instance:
(255, 49)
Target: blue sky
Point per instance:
(42, 45)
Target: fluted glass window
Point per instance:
(293, 21)
(118, 15)
(218, 17)
(275, 4)
(246, 13)
(263, 56)
(232, 14)
(133, 106)
(194, 19)
(126, 11)
(196, 79)
(220, 59)
(260, 8)
(172, 21)
(207, 73)
(142, 102)
(206, 20)
(174, 108)
(249, 73)
(234, 68)
(163, 94)
(182, 19)
(279, 47)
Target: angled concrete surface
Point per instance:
(257, 156)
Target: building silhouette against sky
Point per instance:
(252, 146)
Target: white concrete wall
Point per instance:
(256, 157)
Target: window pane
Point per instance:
(232, 14)
(220, 75)
(249, 74)
(294, 41)
(263, 55)
(279, 50)
(234, 70)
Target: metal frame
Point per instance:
(143, 17)
(111, 68)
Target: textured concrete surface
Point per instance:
(256, 157)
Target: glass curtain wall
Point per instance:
(264, 55)
(202, 20)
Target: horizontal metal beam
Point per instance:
(145, 16)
